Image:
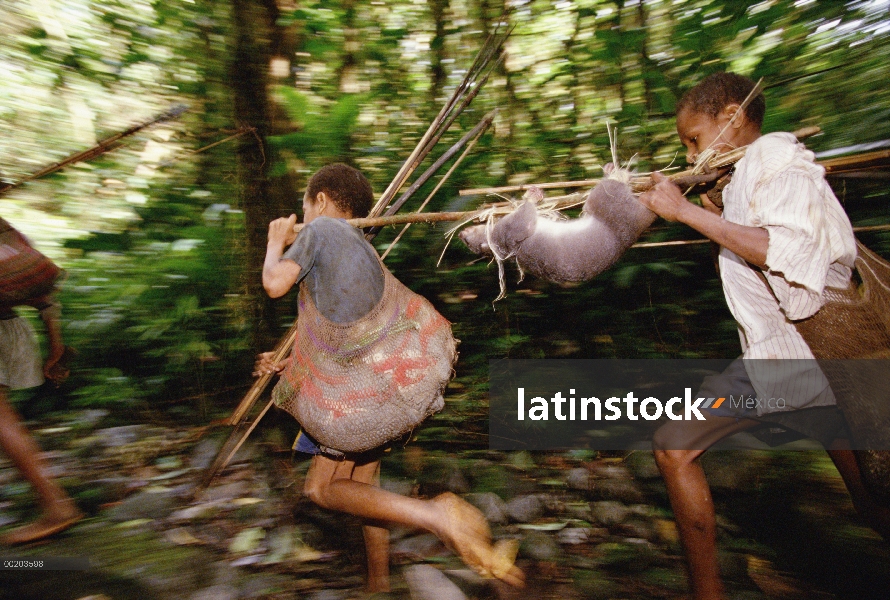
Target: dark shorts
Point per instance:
(821, 423)
(306, 444)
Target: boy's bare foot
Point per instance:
(465, 530)
(60, 517)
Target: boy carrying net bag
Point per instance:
(370, 362)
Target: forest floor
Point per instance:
(589, 525)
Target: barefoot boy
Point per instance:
(344, 278)
(783, 238)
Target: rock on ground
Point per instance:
(429, 583)
(491, 505)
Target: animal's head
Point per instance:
(476, 239)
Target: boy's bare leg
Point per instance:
(678, 445)
(376, 538)
(331, 484)
(875, 514)
(58, 510)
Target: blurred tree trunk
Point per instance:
(346, 73)
(575, 169)
(253, 25)
(646, 64)
(211, 101)
(283, 40)
(437, 46)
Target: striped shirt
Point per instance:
(778, 186)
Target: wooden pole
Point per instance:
(833, 166)
(280, 352)
(407, 218)
(109, 143)
(563, 202)
(462, 96)
(640, 184)
(856, 162)
(865, 228)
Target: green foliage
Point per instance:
(326, 132)
(107, 387)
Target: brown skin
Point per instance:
(353, 486)
(58, 511)
(678, 445)
(279, 276)
(690, 495)
(698, 132)
(56, 344)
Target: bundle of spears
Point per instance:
(486, 61)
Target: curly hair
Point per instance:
(717, 91)
(348, 189)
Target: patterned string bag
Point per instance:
(355, 386)
(25, 273)
(854, 323)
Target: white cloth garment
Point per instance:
(20, 362)
(778, 186)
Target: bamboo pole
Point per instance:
(279, 354)
(682, 179)
(559, 203)
(407, 218)
(856, 162)
(444, 119)
(638, 184)
(865, 228)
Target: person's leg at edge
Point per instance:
(58, 510)
(376, 538)
(678, 446)
(874, 513)
(331, 484)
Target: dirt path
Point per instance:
(589, 526)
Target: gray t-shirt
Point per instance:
(341, 269)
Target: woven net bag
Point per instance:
(854, 323)
(355, 386)
(25, 273)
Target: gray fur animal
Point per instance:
(567, 251)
